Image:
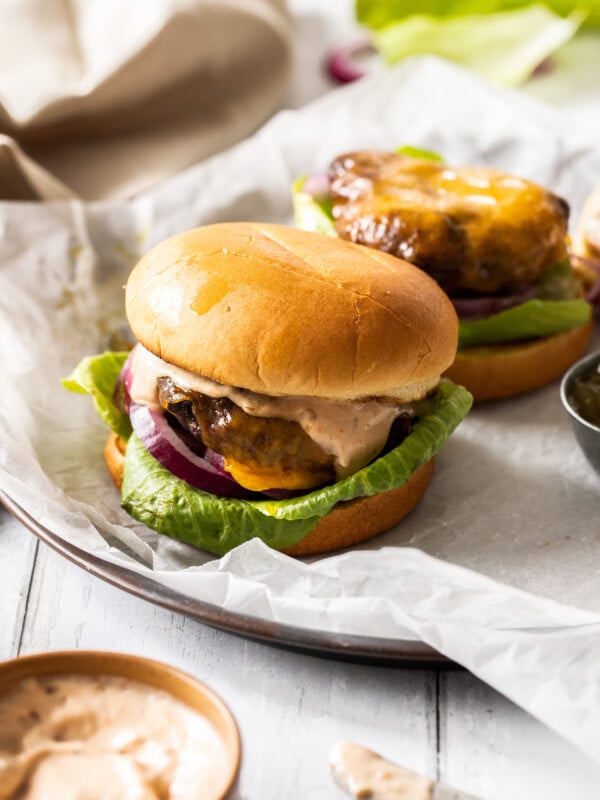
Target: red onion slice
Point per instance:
(343, 63)
(478, 307)
(544, 67)
(121, 394)
(163, 443)
(217, 461)
(317, 186)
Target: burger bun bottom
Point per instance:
(496, 371)
(348, 524)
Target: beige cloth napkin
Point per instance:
(102, 98)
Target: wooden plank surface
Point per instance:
(492, 748)
(292, 708)
(18, 550)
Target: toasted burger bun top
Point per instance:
(281, 311)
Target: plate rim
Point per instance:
(348, 647)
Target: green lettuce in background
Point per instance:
(312, 213)
(170, 506)
(504, 40)
(555, 310)
(418, 152)
(376, 14)
(531, 320)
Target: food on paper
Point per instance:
(284, 385)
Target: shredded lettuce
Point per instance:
(504, 41)
(152, 495)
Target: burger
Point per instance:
(284, 385)
(495, 243)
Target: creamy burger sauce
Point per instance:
(105, 738)
(366, 774)
(352, 432)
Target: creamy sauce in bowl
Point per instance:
(104, 737)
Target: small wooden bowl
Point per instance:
(185, 688)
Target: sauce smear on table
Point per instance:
(365, 774)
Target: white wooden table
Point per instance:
(292, 708)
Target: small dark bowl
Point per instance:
(586, 433)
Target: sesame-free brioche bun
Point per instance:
(281, 311)
(493, 372)
(348, 524)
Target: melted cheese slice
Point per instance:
(260, 479)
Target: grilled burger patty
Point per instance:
(472, 229)
(260, 443)
(263, 445)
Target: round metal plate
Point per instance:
(369, 649)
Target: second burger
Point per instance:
(496, 244)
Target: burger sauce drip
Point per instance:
(352, 432)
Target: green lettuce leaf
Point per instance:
(170, 506)
(311, 213)
(504, 46)
(418, 152)
(97, 376)
(376, 14)
(530, 320)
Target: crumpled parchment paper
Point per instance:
(102, 100)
